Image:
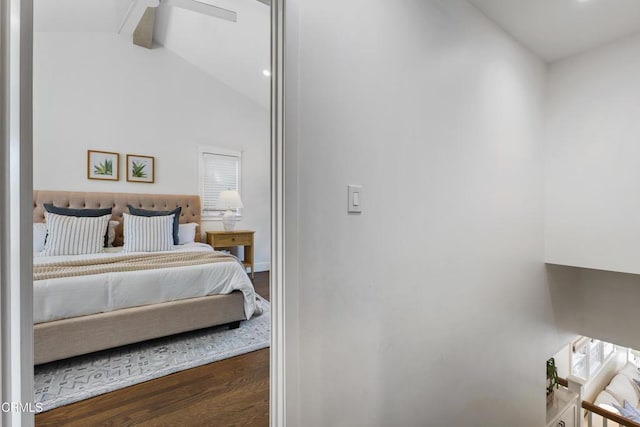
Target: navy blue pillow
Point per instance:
(176, 219)
(90, 213)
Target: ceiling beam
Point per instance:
(140, 19)
(143, 34)
(205, 8)
(136, 10)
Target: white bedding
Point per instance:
(62, 298)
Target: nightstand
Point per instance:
(230, 239)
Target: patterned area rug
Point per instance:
(70, 380)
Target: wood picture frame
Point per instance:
(140, 168)
(103, 165)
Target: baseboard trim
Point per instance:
(262, 266)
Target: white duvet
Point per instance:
(55, 299)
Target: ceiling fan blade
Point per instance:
(205, 8)
(134, 15)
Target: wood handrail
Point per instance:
(609, 415)
(562, 381)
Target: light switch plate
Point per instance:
(354, 203)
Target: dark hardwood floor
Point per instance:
(232, 392)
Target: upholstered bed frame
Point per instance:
(65, 338)
(118, 202)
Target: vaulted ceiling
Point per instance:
(235, 53)
(554, 29)
(79, 15)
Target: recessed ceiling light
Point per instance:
(266, 73)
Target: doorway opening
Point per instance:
(142, 115)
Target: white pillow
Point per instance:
(111, 233)
(39, 236)
(622, 389)
(148, 233)
(187, 233)
(71, 235)
(630, 371)
(609, 408)
(606, 400)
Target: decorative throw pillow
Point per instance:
(632, 410)
(71, 235)
(628, 411)
(80, 213)
(148, 234)
(111, 233)
(187, 233)
(176, 219)
(39, 236)
(609, 408)
(606, 400)
(76, 212)
(623, 389)
(630, 370)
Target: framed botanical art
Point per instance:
(103, 165)
(140, 168)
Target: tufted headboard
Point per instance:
(118, 201)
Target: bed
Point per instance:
(79, 315)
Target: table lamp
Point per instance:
(229, 199)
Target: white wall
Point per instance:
(98, 91)
(592, 172)
(235, 53)
(592, 181)
(563, 360)
(432, 307)
(607, 306)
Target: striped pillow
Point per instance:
(71, 235)
(148, 233)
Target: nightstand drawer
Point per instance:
(232, 240)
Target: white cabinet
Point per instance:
(562, 411)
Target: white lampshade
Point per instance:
(229, 199)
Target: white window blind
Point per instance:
(219, 172)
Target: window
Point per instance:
(220, 170)
(588, 356)
(634, 356)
